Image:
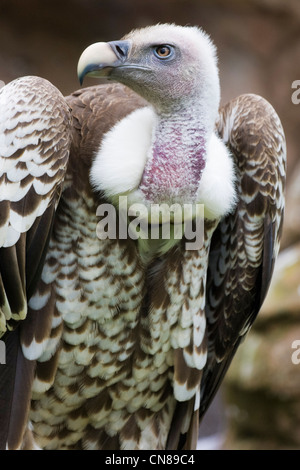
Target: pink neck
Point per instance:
(173, 171)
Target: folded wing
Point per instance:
(245, 244)
(35, 136)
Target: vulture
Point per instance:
(139, 226)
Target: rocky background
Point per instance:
(259, 51)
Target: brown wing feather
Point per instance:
(35, 133)
(245, 245)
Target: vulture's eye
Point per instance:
(163, 51)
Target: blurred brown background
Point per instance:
(259, 52)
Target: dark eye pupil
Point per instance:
(163, 51)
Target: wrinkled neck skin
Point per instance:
(178, 153)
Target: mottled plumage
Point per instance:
(122, 343)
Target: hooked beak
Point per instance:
(100, 58)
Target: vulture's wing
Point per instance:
(245, 244)
(34, 146)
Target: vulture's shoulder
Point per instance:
(96, 109)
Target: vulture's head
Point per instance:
(167, 152)
(166, 64)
